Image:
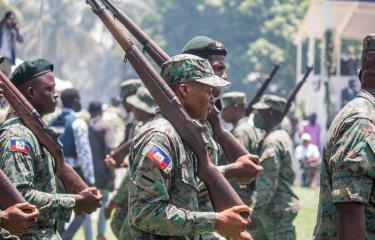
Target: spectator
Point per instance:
(313, 129)
(77, 152)
(307, 154)
(348, 93)
(101, 141)
(9, 34)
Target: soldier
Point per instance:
(275, 204)
(347, 195)
(234, 112)
(143, 106)
(215, 53)
(163, 191)
(29, 165)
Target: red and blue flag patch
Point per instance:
(160, 158)
(19, 146)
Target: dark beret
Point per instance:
(204, 46)
(29, 70)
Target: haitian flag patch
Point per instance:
(160, 158)
(19, 146)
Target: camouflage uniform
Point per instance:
(30, 167)
(347, 173)
(275, 204)
(141, 100)
(163, 191)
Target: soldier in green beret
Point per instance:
(347, 192)
(275, 204)
(29, 165)
(163, 192)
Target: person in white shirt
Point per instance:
(308, 156)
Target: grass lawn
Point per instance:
(304, 222)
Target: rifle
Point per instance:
(230, 145)
(48, 138)
(223, 196)
(10, 195)
(261, 90)
(295, 91)
(119, 153)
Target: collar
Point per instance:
(368, 96)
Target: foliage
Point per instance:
(255, 32)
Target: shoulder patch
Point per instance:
(19, 146)
(160, 158)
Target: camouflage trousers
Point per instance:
(35, 234)
(118, 219)
(265, 227)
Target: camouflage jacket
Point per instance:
(274, 195)
(250, 138)
(163, 190)
(30, 167)
(348, 168)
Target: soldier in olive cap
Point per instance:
(144, 107)
(234, 112)
(29, 165)
(215, 53)
(163, 190)
(275, 204)
(347, 192)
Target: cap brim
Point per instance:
(261, 105)
(213, 81)
(134, 101)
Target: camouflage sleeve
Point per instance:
(20, 169)
(353, 160)
(121, 194)
(267, 181)
(150, 209)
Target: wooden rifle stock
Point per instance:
(230, 145)
(223, 196)
(48, 138)
(261, 90)
(155, 52)
(295, 91)
(119, 153)
(9, 194)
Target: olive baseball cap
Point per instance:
(129, 87)
(272, 102)
(143, 101)
(234, 97)
(203, 46)
(185, 68)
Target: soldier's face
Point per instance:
(198, 99)
(218, 65)
(228, 113)
(42, 93)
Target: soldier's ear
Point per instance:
(184, 90)
(359, 73)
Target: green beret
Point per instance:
(29, 70)
(129, 87)
(271, 102)
(143, 101)
(369, 43)
(230, 98)
(185, 68)
(204, 46)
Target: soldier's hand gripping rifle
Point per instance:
(118, 154)
(295, 91)
(230, 145)
(261, 90)
(223, 196)
(31, 118)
